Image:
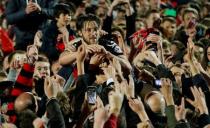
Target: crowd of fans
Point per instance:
(104, 63)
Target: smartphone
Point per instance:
(77, 43)
(153, 46)
(91, 95)
(158, 83)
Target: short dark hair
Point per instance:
(61, 8)
(42, 58)
(180, 46)
(88, 17)
(148, 13)
(26, 118)
(170, 19)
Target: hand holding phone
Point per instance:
(158, 83)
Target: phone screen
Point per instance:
(77, 44)
(91, 95)
(158, 83)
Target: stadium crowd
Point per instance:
(104, 63)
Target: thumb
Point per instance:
(190, 101)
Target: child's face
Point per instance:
(63, 19)
(42, 69)
(169, 29)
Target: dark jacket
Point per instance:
(54, 115)
(182, 125)
(203, 120)
(198, 81)
(50, 45)
(26, 25)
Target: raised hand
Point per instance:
(128, 88)
(180, 111)
(167, 89)
(60, 81)
(32, 54)
(50, 87)
(16, 63)
(94, 48)
(116, 2)
(32, 7)
(136, 105)
(190, 50)
(199, 100)
(97, 59)
(101, 115)
(65, 34)
(37, 39)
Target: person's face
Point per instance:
(138, 7)
(42, 69)
(169, 29)
(142, 6)
(150, 20)
(63, 19)
(140, 25)
(101, 13)
(154, 4)
(32, 53)
(156, 103)
(120, 40)
(89, 32)
(188, 17)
